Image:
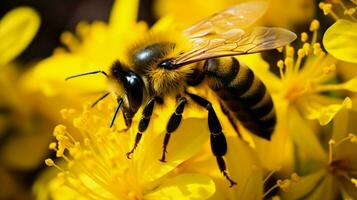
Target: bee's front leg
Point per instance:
(143, 123)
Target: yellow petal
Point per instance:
(48, 186)
(349, 190)
(27, 150)
(350, 85)
(323, 108)
(184, 186)
(17, 29)
(244, 167)
(317, 185)
(305, 185)
(278, 153)
(304, 137)
(346, 152)
(186, 141)
(327, 113)
(123, 15)
(340, 124)
(49, 76)
(340, 40)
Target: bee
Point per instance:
(157, 70)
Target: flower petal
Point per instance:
(17, 29)
(49, 76)
(350, 85)
(304, 137)
(185, 186)
(317, 185)
(244, 167)
(123, 15)
(27, 148)
(340, 40)
(349, 190)
(324, 108)
(186, 141)
(305, 185)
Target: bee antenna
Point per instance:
(120, 101)
(87, 73)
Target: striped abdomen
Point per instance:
(243, 94)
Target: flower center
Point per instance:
(337, 166)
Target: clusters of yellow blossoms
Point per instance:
(311, 154)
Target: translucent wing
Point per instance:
(235, 42)
(226, 33)
(241, 15)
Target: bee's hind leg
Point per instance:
(217, 138)
(173, 124)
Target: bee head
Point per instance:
(127, 85)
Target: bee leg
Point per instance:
(143, 123)
(120, 102)
(99, 99)
(217, 138)
(173, 123)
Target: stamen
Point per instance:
(268, 176)
(353, 138)
(301, 55)
(306, 48)
(289, 62)
(295, 177)
(354, 181)
(50, 163)
(329, 69)
(290, 52)
(327, 9)
(69, 40)
(280, 65)
(276, 198)
(284, 184)
(331, 143)
(315, 25)
(304, 37)
(67, 113)
(53, 146)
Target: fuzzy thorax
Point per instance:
(166, 81)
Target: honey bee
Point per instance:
(157, 70)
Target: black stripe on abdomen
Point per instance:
(245, 96)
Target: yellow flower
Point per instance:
(94, 47)
(340, 38)
(17, 29)
(96, 167)
(336, 175)
(306, 76)
(302, 93)
(19, 135)
(284, 13)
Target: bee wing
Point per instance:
(235, 42)
(241, 15)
